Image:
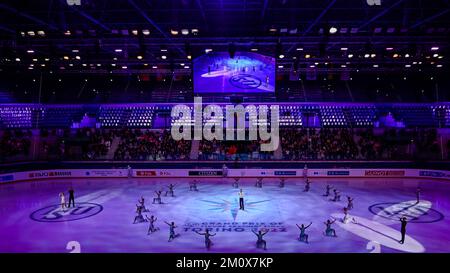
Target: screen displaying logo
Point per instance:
(413, 211)
(245, 81)
(54, 213)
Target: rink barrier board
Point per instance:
(218, 173)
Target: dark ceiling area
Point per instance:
(135, 36)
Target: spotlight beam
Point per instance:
(143, 14)
(26, 15)
(383, 12)
(263, 11)
(202, 10)
(6, 29)
(431, 18)
(319, 17)
(90, 18)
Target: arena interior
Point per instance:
(345, 127)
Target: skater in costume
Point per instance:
(307, 185)
(208, 242)
(130, 171)
(282, 180)
(62, 200)
(303, 237)
(403, 229)
(327, 193)
(224, 170)
(337, 196)
(258, 183)
(346, 218)
(330, 231)
(151, 227)
(138, 218)
(71, 197)
(170, 191)
(236, 182)
(172, 234)
(261, 243)
(193, 186)
(418, 191)
(141, 202)
(349, 203)
(241, 199)
(158, 198)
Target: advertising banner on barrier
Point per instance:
(436, 174)
(6, 178)
(106, 173)
(46, 174)
(205, 173)
(338, 173)
(384, 173)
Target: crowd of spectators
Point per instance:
(150, 145)
(296, 144)
(14, 143)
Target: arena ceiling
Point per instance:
(100, 36)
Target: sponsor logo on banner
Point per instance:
(49, 174)
(338, 172)
(433, 174)
(6, 178)
(205, 173)
(285, 173)
(146, 173)
(105, 173)
(384, 173)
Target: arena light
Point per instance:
(434, 48)
(34, 60)
(41, 33)
(84, 65)
(113, 64)
(75, 51)
(118, 50)
(439, 65)
(30, 51)
(208, 50)
(344, 48)
(366, 55)
(135, 32)
(124, 67)
(375, 65)
(395, 55)
(406, 55)
(47, 59)
(281, 56)
(333, 30)
(163, 57)
(307, 56)
(194, 31)
(78, 57)
(189, 57)
(146, 32)
(154, 67)
(254, 49)
(350, 56)
(174, 32)
(31, 33)
(139, 57)
(299, 49)
(407, 65)
(373, 55)
(389, 48)
(67, 33)
(186, 66)
(435, 55)
(185, 31)
(280, 66)
(66, 57)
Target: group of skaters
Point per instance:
(260, 243)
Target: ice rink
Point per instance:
(32, 220)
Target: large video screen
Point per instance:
(247, 72)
